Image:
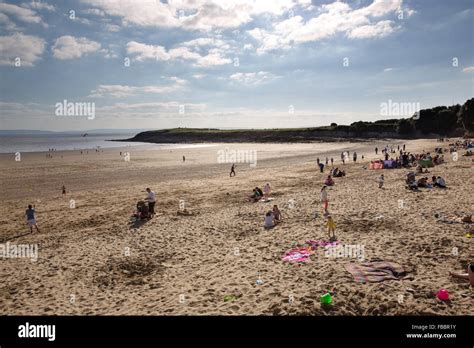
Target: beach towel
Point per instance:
(266, 200)
(390, 164)
(375, 271)
(376, 165)
(298, 254)
(302, 254)
(426, 163)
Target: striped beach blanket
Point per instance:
(375, 271)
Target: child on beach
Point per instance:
(277, 214)
(324, 198)
(269, 220)
(381, 180)
(31, 218)
(267, 190)
(331, 225)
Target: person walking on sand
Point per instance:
(327, 161)
(354, 157)
(332, 161)
(232, 170)
(64, 190)
(184, 159)
(331, 226)
(324, 198)
(31, 218)
(381, 180)
(376, 150)
(317, 161)
(151, 199)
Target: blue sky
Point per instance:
(239, 64)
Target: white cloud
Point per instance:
(192, 15)
(112, 27)
(172, 106)
(143, 52)
(248, 47)
(7, 23)
(333, 18)
(380, 29)
(70, 47)
(38, 5)
(206, 41)
(199, 76)
(94, 12)
(121, 91)
(84, 21)
(26, 47)
(23, 14)
(253, 79)
(468, 69)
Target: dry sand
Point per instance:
(92, 261)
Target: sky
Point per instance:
(229, 63)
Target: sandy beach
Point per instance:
(93, 260)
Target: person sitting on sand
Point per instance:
(259, 191)
(329, 181)
(324, 198)
(411, 181)
(467, 276)
(269, 220)
(31, 218)
(440, 182)
(277, 214)
(255, 197)
(331, 225)
(422, 182)
(267, 190)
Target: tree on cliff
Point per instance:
(405, 127)
(466, 115)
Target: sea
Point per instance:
(12, 143)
